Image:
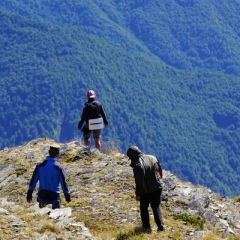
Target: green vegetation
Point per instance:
(48, 227)
(166, 73)
(134, 234)
(237, 199)
(107, 207)
(196, 221)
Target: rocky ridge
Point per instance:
(103, 204)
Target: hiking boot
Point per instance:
(160, 228)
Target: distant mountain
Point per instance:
(185, 34)
(166, 73)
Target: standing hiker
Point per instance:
(50, 174)
(147, 173)
(95, 119)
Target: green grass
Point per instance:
(197, 221)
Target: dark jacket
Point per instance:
(145, 170)
(50, 174)
(92, 110)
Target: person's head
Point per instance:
(133, 153)
(54, 150)
(91, 94)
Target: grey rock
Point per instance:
(30, 155)
(95, 175)
(210, 217)
(60, 213)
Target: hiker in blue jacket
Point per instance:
(93, 110)
(50, 174)
(147, 173)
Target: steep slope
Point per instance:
(184, 34)
(189, 119)
(190, 34)
(102, 189)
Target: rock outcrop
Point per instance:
(102, 189)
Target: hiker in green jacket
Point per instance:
(147, 173)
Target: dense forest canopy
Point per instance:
(167, 74)
(185, 34)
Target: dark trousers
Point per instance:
(46, 197)
(44, 204)
(152, 198)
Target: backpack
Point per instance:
(160, 168)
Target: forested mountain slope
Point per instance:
(188, 117)
(185, 34)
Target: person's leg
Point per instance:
(96, 138)
(144, 203)
(87, 142)
(42, 204)
(97, 143)
(155, 205)
(56, 205)
(86, 138)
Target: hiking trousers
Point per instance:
(54, 205)
(152, 198)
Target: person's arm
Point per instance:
(84, 118)
(32, 184)
(139, 180)
(103, 114)
(64, 185)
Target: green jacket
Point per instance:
(150, 181)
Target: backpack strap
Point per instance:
(144, 173)
(142, 166)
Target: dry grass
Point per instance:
(237, 199)
(109, 148)
(117, 195)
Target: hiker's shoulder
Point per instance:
(42, 163)
(95, 102)
(150, 158)
(58, 165)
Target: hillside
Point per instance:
(184, 34)
(103, 204)
(167, 85)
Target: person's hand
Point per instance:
(29, 196)
(67, 197)
(137, 198)
(79, 128)
(106, 125)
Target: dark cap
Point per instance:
(54, 149)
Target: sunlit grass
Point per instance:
(107, 208)
(197, 221)
(237, 199)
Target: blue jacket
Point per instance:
(50, 174)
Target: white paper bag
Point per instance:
(95, 123)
